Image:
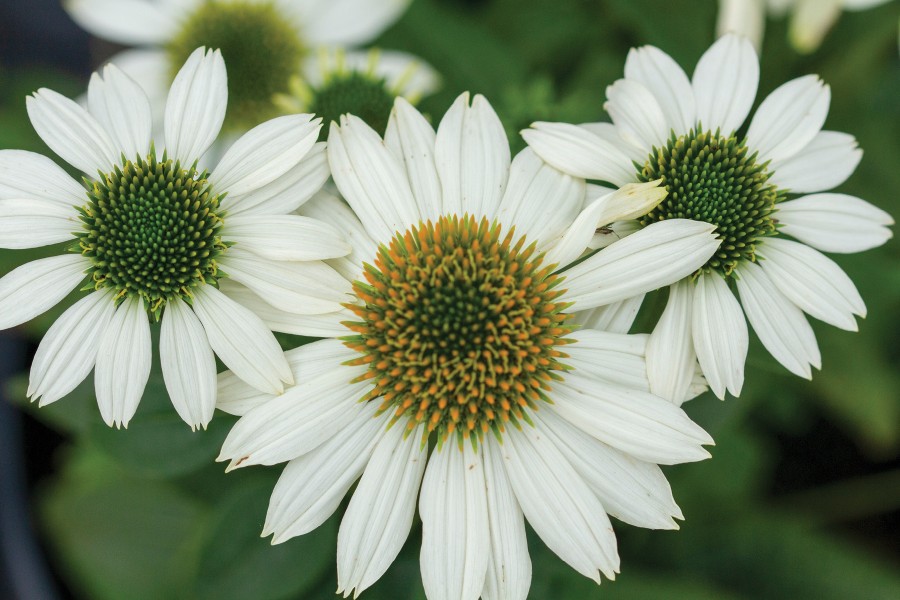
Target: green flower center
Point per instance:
(460, 328)
(712, 178)
(151, 228)
(260, 46)
(356, 93)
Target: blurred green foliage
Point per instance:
(145, 513)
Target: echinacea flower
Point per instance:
(458, 368)
(151, 234)
(685, 132)
(265, 42)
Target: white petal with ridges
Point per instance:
(670, 350)
(285, 237)
(610, 358)
(825, 163)
(123, 363)
(813, 282)
(781, 326)
(660, 74)
(122, 107)
(32, 222)
(835, 222)
(380, 513)
(725, 82)
(720, 335)
(636, 113)
(241, 340)
(575, 150)
(411, 138)
(35, 287)
(616, 317)
(195, 107)
(660, 254)
(68, 350)
(789, 118)
(329, 208)
(129, 22)
(30, 175)
(188, 364)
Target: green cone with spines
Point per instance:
(713, 178)
(356, 93)
(151, 228)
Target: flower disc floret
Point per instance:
(260, 45)
(151, 228)
(713, 178)
(461, 328)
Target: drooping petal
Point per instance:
(380, 514)
(659, 255)
(121, 106)
(781, 326)
(825, 163)
(670, 350)
(188, 364)
(68, 350)
(558, 504)
(579, 152)
(285, 237)
(813, 282)
(265, 153)
(719, 330)
(123, 363)
(129, 22)
(30, 175)
(472, 158)
(33, 222)
(241, 340)
(453, 507)
(71, 132)
(636, 113)
(660, 74)
(37, 286)
(313, 485)
(725, 83)
(789, 118)
(195, 107)
(835, 222)
(411, 138)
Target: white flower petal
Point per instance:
(149, 67)
(472, 157)
(631, 490)
(312, 486)
(68, 350)
(789, 118)
(453, 507)
(241, 340)
(540, 201)
(122, 107)
(32, 222)
(780, 325)
(411, 138)
(646, 426)
(286, 193)
(380, 514)
(825, 163)
(327, 325)
(298, 421)
(35, 287)
(195, 107)
(660, 74)
(613, 232)
(558, 504)
(725, 82)
(265, 153)
(285, 237)
(575, 150)
(310, 287)
(347, 22)
(671, 360)
(123, 363)
(813, 282)
(188, 364)
(509, 566)
(610, 358)
(129, 22)
(660, 254)
(720, 334)
(743, 17)
(835, 222)
(628, 202)
(371, 178)
(29, 175)
(636, 113)
(810, 21)
(71, 132)
(616, 317)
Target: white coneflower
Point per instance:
(265, 42)
(153, 233)
(685, 133)
(466, 272)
